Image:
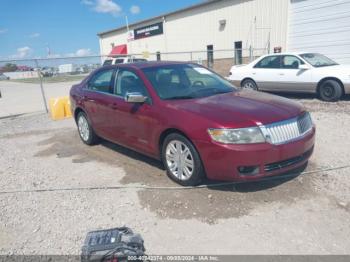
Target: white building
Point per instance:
(310, 25)
(320, 26)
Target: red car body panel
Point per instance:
(140, 126)
(225, 159)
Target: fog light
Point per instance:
(248, 170)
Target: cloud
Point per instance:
(135, 9)
(80, 52)
(104, 6)
(108, 7)
(22, 52)
(83, 52)
(3, 30)
(34, 35)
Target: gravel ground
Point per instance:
(307, 214)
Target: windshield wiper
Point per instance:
(179, 97)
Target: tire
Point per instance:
(187, 176)
(249, 84)
(85, 130)
(330, 91)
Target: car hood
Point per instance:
(241, 109)
(335, 68)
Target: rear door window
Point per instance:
(269, 62)
(119, 61)
(107, 62)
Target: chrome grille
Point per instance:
(285, 131)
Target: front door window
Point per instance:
(128, 82)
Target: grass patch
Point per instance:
(54, 79)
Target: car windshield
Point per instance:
(318, 60)
(186, 81)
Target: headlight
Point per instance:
(250, 135)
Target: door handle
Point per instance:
(281, 74)
(85, 98)
(113, 106)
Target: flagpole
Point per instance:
(48, 49)
(127, 33)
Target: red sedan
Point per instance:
(196, 122)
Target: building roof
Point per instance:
(208, 2)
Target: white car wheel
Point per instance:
(249, 84)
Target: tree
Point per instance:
(9, 67)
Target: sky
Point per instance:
(29, 28)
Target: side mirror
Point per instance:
(304, 67)
(135, 98)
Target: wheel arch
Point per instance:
(330, 78)
(77, 111)
(167, 132)
(248, 78)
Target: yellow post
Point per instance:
(60, 108)
(67, 111)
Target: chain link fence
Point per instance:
(26, 85)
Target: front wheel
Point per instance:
(86, 131)
(249, 84)
(330, 91)
(182, 160)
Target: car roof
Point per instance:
(148, 64)
(292, 53)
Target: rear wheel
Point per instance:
(86, 132)
(249, 84)
(182, 160)
(330, 91)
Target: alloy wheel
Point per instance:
(249, 85)
(328, 91)
(83, 127)
(179, 160)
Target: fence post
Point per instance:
(250, 54)
(41, 85)
(191, 57)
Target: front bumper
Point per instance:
(222, 162)
(236, 83)
(347, 88)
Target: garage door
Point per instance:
(320, 26)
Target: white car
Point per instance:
(3, 77)
(294, 72)
(122, 60)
